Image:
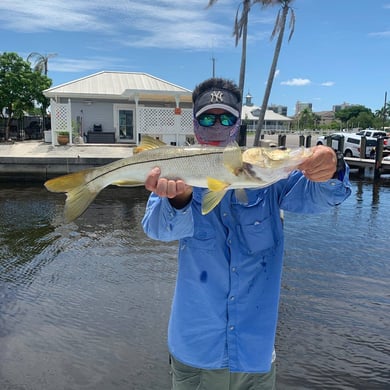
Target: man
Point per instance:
(224, 313)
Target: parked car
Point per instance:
(372, 133)
(351, 144)
(377, 134)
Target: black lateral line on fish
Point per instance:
(162, 159)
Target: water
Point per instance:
(86, 305)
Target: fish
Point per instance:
(218, 169)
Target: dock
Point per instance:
(365, 163)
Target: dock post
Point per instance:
(282, 140)
(340, 145)
(378, 157)
(363, 147)
(308, 141)
(301, 140)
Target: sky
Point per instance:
(339, 52)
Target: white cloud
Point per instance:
(148, 23)
(296, 82)
(328, 84)
(380, 34)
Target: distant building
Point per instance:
(326, 117)
(273, 122)
(282, 110)
(300, 106)
(338, 107)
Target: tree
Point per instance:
(41, 61)
(355, 116)
(20, 87)
(41, 66)
(279, 28)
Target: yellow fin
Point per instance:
(211, 200)
(216, 185)
(232, 158)
(148, 143)
(78, 194)
(67, 182)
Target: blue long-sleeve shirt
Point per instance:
(225, 306)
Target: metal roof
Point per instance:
(252, 113)
(120, 85)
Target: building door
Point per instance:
(124, 122)
(126, 125)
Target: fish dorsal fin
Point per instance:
(211, 199)
(232, 158)
(148, 143)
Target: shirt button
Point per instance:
(231, 327)
(234, 269)
(232, 298)
(229, 242)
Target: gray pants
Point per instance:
(189, 378)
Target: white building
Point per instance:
(111, 107)
(273, 122)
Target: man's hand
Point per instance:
(177, 191)
(321, 166)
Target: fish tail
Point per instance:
(79, 193)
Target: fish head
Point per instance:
(268, 165)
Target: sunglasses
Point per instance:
(207, 120)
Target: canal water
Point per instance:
(86, 305)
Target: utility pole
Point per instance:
(384, 112)
(213, 60)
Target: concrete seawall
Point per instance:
(39, 161)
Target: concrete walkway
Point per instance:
(40, 149)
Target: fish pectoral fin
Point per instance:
(211, 199)
(241, 195)
(148, 143)
(128, 183)
(79, 195)
(216, 185)
(232, 158)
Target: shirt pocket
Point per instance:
(256, 236)
(203, 239)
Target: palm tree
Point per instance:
(40, 61)
(41, 66)
(240, 31)
(279, 28)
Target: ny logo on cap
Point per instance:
(216, 96)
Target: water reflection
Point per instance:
(85, 305)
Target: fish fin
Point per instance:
(241, 195)
(216, 185)
(148, 143)
(211, 199)
(78, 194)
(232, 158)
(128, 183)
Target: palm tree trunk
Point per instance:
(271, 76)
(245, 12)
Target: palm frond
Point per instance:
(292, 24)
(276, 26)
(211, 2)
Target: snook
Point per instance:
(218, 169)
